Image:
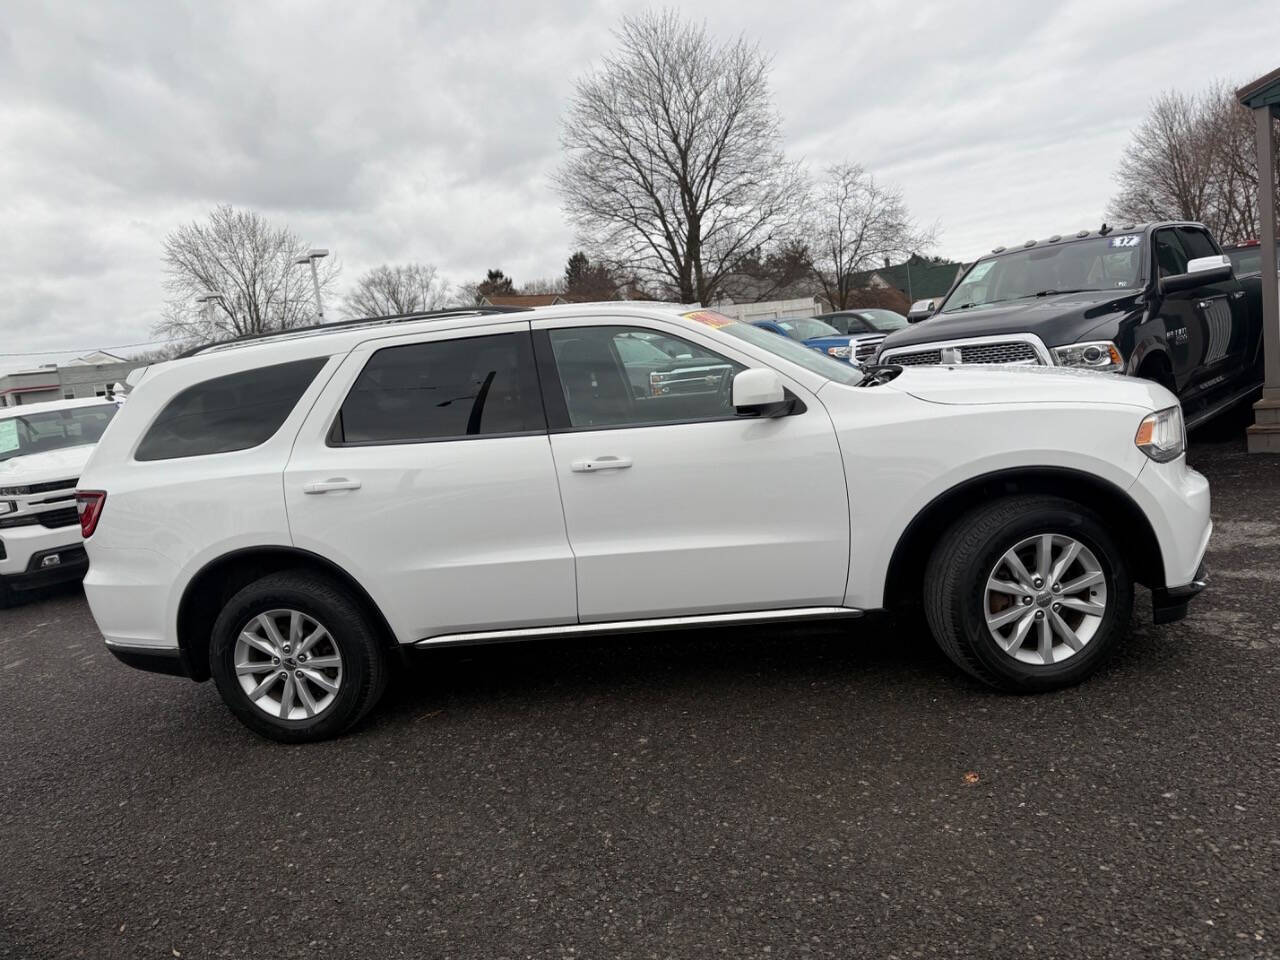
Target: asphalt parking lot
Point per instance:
(778, 793)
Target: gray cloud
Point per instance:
(405, 131)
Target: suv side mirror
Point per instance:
(758, 392)
(1200, 272)
(921, 310)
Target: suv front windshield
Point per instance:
(22, 434)
(797, 353)
(1098, 263)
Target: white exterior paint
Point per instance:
(23, 542)
(501, 533)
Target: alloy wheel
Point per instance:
(1045, 599)
(288, 664)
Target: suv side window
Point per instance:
(1197, 243)
(1171, 258)
(443, 390)
(604, 380)
(235, 412)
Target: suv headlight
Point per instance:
(1096, 355)
(840, 353)
(1162, 435)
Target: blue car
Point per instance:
(813, 333)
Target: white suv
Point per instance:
(287, 515)
(43, 448)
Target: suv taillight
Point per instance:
(89, 507)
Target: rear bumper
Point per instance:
(170, 661)
(1170, 603)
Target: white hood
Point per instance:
(64, 464)
(983, 383)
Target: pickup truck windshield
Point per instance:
(22, 434)
(1099, 263)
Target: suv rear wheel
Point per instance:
(296, 659)
(1028, 593)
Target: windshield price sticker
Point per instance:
(980, 270)
(8, 435)
(710, 318)
(1128, 240)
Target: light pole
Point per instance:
(311, 256)
(209, 299)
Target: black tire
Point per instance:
(955, 590)
(6, 596)
(364, 657)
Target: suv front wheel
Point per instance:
(1028, 593)
(295, 658)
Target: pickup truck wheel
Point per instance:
(295, 658)
(1029, 593)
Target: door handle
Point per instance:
(333, 483)
(601, 463)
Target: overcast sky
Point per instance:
(398, 131)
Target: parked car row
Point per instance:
(288, 515)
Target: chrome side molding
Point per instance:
(640, 626)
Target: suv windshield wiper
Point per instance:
(1052, 293)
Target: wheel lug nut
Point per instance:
(275, 661)
(1057, 588)
(1038, 582)
(1039, 614)
(1026, 601)
(297, 673)
(1057, 606)
(286, 648)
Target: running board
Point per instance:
(641, 626)
(1221, 406)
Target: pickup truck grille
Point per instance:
(913, 359)
(54, 485)
(1005, 351)
(866, 349)
(53, 519)
(1015, 351)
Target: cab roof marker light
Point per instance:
(1082, 233)
(999, 249)
(1055, 238)
(1029, 243)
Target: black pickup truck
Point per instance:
(1159, 301)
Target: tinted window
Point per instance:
(228, 413)
(805, 328)
(1196, 243)
(606, 382)
(1171, 259)
(444, 390)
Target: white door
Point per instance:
(673, 504)
(425, 471)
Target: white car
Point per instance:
(43, 448)
(289, 514)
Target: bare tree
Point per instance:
(855, 225)
(675, 168)
(403, 288)
(249, 264)
(1193, 158)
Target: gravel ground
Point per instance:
(767, 793)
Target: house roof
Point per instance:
(525, 300)
(1263, 92)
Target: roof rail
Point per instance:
(318, 328)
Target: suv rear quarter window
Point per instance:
(234, 412)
